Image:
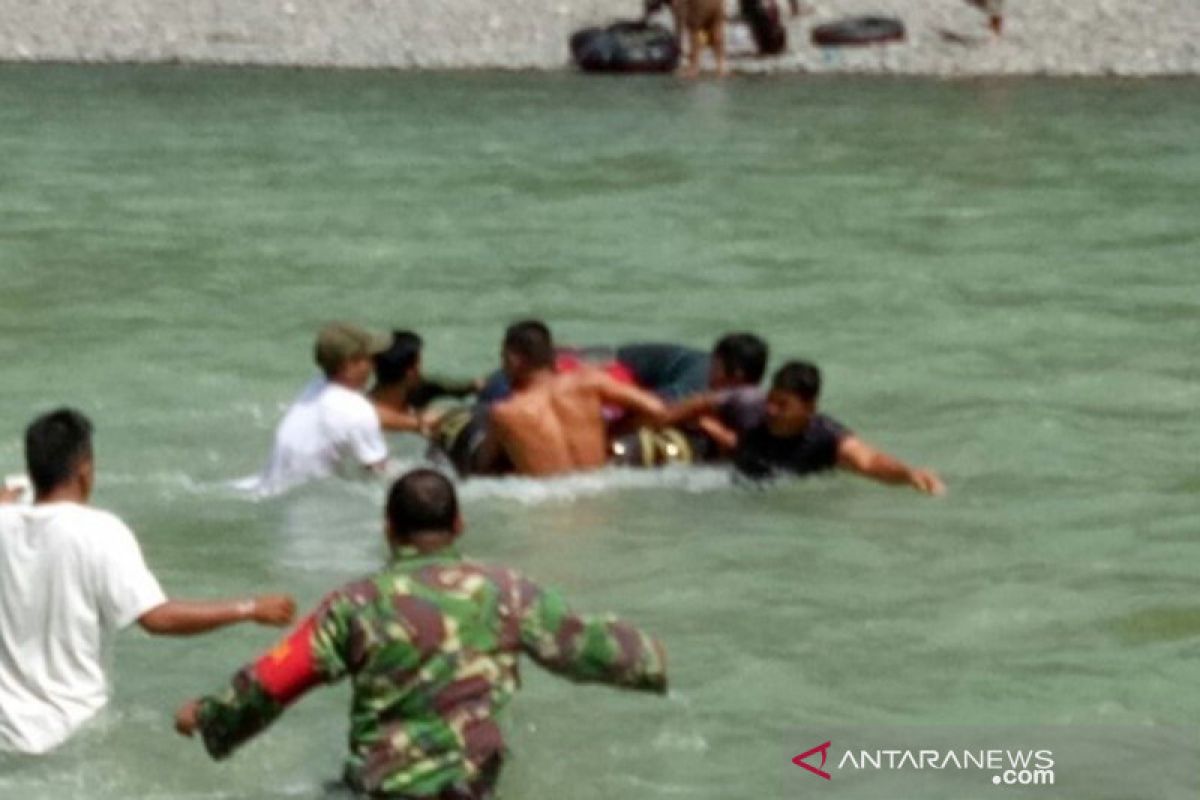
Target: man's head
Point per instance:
(528, 347)
(422, 502)
(400, 363)
(793, 398)
(344, 351)
(58, 453)
(738, 359)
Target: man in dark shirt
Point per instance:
(402, 393)
(795, 438)
(718, 393)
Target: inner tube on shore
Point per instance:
(625, 47)
(859, 31)
(766, 27)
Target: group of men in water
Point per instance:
(553, 410)
(431, 642)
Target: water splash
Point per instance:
(535, 491)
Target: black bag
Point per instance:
(625, 47)
(766, 26)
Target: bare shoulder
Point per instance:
(515, 409)
(589, 377)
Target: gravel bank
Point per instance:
(945, 37)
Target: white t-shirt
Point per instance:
(328, 430)
(69, 577)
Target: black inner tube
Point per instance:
(859, 30)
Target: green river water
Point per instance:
(997, 277)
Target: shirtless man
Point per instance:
(554, 422)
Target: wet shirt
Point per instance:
(70, 576)
(329, 430)
(431, 646)
(761, 455)
(742, 409)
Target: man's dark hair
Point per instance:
(531, 340)
(421, 500)
(800, 378)
(55, 445)
(742, 353)
(394, 363)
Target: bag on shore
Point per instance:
(763, 19)
(625, 47)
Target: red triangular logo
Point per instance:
(823, 749)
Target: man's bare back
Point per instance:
(555, 422)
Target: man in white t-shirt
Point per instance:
(331, 428)
(70, 576)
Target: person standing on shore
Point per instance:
(704, 22)
(431, 645)
(70, 576)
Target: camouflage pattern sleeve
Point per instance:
(588, 649)
(259, 692)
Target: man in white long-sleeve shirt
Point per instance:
(70, 576)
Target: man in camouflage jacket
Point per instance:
(431, 645)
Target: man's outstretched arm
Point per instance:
(188, 617)
(857, 456)
(589, 649)
(635, 400)
(393, 419)
(691, 408)
(260, 692)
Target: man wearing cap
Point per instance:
(331, 428)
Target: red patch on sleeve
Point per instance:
(289, 671)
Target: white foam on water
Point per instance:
(535, 491)
(169, 480)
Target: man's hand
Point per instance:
(428, 421)
(9, 494)
(186, 720)
(927, 481)
(855, 454)
(273, 609)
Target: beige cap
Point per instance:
(338, 342)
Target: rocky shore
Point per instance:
(944, 37)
